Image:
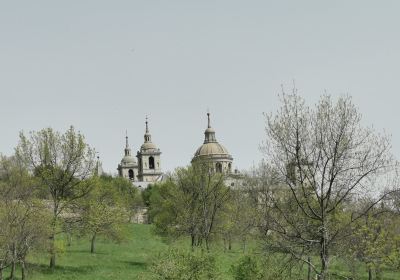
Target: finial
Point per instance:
(208, 116)
(147, 126)
(126, 139)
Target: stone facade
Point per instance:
(146, 168)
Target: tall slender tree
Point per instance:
(62, 163)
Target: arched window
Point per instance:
(218, 167)
(151, 162)
(131, 174)
(230, 167)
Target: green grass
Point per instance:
(126, 260)
(132, 258)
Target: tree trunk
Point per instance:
(369, 274)
(324, 254)
(23, 270)
(309, 269)
(207, 245)
(14, 256)
(229, 243)
(193, 241)
(52, 252)
(12, 273)
(224, 239)
(53, 240)
(1, 271)
(69, 239)
(93, 243)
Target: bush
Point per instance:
(180, 265)
(266, 267)
(248, 268)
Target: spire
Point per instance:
(147, 125)
(209, 133)
(127, 149)
(147, 135)
(126, 139)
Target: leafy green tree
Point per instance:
(62, 163)
(129, 196)
(190, 203)
(24, 219)
(238, 218)
(374, 241)
(103, 212)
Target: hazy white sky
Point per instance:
(103, 65)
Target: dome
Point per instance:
(209, 149)
(128, 159)
(148, 146)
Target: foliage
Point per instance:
(24, 220)
(238, 218)
(102, 211)
(189, 203)
(375, 241)
(248, 268)
(181, 265)
(325, 159)
(129, 196)
(62, 163)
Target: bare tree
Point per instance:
(62, 162)
(325, 159)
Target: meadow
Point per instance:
(132, 258)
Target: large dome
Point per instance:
(212, 148)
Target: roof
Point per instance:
(212, 148)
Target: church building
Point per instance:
(146, 167)
(213, 152)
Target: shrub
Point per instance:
(180, 265)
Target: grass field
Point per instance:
(129, 259)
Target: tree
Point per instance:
(23, 218)
(374, 241)
(62, 163)
(189, 203)
(102, 211)
(129, 196)
(238, 218)
(325, 159)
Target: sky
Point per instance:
(102, 66)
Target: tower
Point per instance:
(128, 168)
(149, 159)
(213, 152)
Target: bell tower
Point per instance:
(149, 159)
